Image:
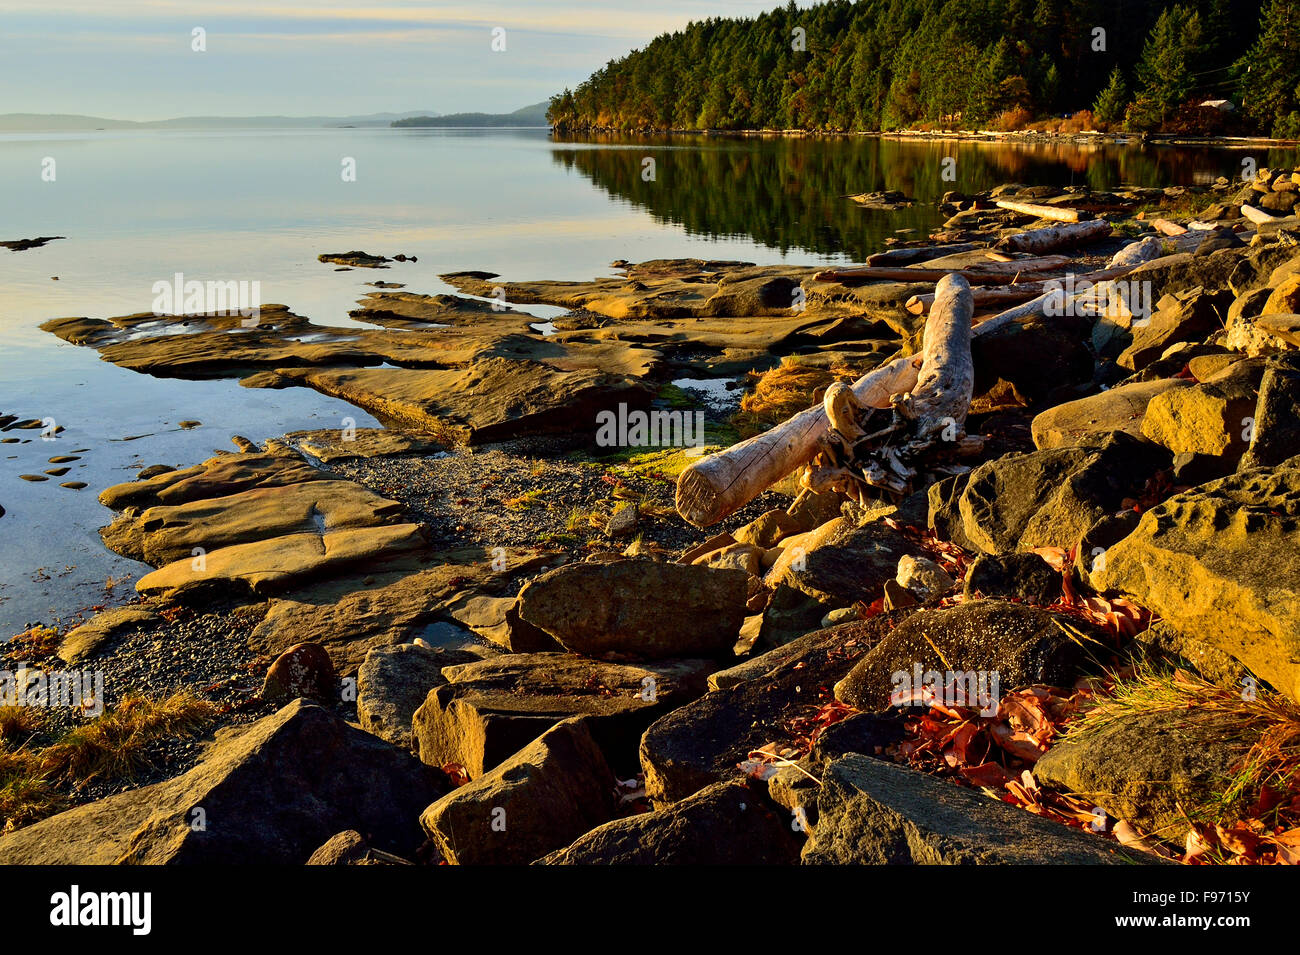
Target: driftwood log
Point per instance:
(923, 253)
(1055, 213)
(721, 483)
(1054, 238)
(988, 273)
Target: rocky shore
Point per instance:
(496, 632)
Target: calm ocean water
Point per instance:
(138, 207)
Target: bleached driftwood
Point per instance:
(922, 253)
(1053, 238)
(1165, 227)
(719, 484)
(1056, 213)
(987, 273)
(1257, 216)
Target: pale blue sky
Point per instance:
(132, 59)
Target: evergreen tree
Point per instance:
(1111, 103)
(1169, 59)
(1270, 70)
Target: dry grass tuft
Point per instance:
(783, 392)
(116, 744)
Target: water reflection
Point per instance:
(789, 194)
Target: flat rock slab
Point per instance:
(1087, 421)
(490, 709)
(270, 794)
(489, 400)
(216, 477)
(724, 824)
(83, 642)
(350, 625)
(334, 444)
(637, 609)
(1222, 561)
(273, 566)
(872, 812)
(1017, 644)
(704, 741)
(165, 533)
(546, 795)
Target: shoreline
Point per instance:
(482, 607)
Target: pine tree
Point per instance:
(1269, 71)
(1109, 108)
(1165, 72)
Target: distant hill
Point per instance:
(63, 122)
(534, 115)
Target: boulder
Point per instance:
(1152, 770)
(1207, 418)
(1020, 364)
(267, 794)
(542, 798)
(1275, 435)
(871, 812)
(1050, 498)
(1190, 316)
(1167, 647)
(637, 609)
(1025, 577)
(302, 670)
(497, 619)
(394, 681)
(83, 642)
(840, 562)
(1086, 422)
(727, 823)
(1013, 643)
(1243, 333)
(923, 576)
(703, 742)
(346, 848)
(491, 708)
(1222, 561)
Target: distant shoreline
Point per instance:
(1020, 136)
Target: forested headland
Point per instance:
(1141, 65)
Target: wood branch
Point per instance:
(1165, 227)
(721, 483)
(1052, 238)
(930, 419)
(922, 253)
(718, 485)
(1257, 216)
(1056, 213)
(1121, 264)
(943, 387)
(987, 274)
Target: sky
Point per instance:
(133, 59)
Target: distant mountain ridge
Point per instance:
(534, 115)
(62, 122)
